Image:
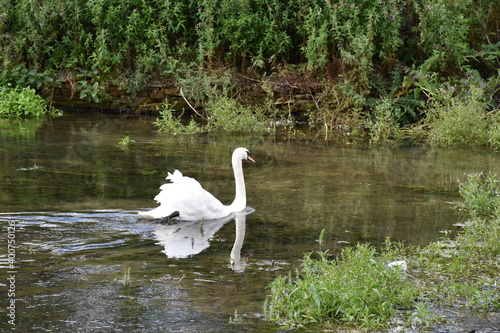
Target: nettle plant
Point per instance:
(443, 32)
(353, 31)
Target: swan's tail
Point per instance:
(176, 176)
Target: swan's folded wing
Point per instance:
(189, 198)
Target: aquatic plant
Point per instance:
(168, 123)
(125, 141)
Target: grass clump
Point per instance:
(359, 289)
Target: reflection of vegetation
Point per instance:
(24, 128)
(361, 289)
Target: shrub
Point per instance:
(457, 119)
(228, 115)
(21, 102)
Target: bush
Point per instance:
(21, 102)
(459, 119)
(481, 194)
(227, 115)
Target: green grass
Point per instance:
(359, 289)
(459, 119)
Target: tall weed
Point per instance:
(457, 119)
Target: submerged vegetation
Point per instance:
(400, 286)
(377, 70)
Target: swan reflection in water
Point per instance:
(187, 238)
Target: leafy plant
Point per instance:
(21, 102)
(481, 194)
(168, 123)
(21, 76)
(457, 119)
(360, 288)
(125, 141)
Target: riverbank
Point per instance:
(452, 282)
(292, 92)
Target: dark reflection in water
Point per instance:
(73, 193)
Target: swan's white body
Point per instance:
(186, 196)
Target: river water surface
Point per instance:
(84, 263)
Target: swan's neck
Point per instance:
(240, 200)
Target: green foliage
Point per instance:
(93, 92)
(125, 141)
(353, 31)
(359, 289)
(133, 36)
(168, 123)
(363, 46)
(382, 125)
(21, 102)
(481, 194)
(227, 115)
(443, 33)
(458, 118)
(20, 76)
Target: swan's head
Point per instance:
(243, 154)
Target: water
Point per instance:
(84, 263)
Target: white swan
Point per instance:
(184, 197)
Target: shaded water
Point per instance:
(72, 194)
